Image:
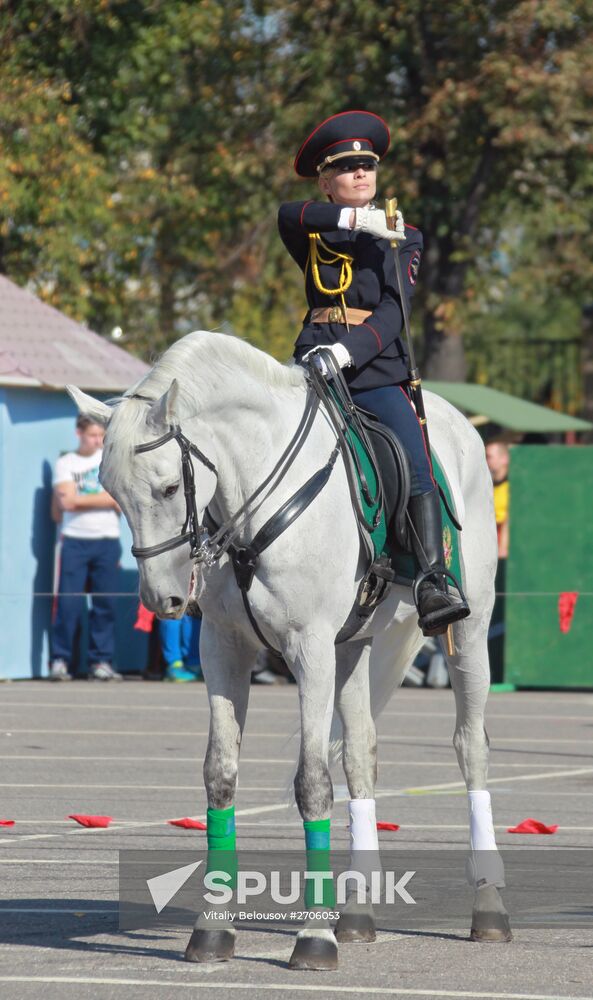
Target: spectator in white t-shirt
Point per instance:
(89, 559)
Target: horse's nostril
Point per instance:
(175, 602)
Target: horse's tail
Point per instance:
(392, 653)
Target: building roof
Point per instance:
(508, 411)
(40, 346)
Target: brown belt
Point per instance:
(336, 315)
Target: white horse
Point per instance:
(240, 409)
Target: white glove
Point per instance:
(339, 351)
(373, 220)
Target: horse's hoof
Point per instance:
(491, 927)
(315, 951)
(355, 927)
(211, 945)
(490, 920)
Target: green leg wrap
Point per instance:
(222, 843)
(317, 843)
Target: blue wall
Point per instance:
(35, 427)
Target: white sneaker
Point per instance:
(414, 678)
(264, 676)
(438, 675)
(103, 672)
(58, 671)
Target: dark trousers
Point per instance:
(391, 404)
(91, 564)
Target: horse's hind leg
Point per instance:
(359, 758)
(227, 667)
(470, 680)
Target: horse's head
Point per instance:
(151, 488)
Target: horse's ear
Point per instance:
(92, 407)
(163, 413)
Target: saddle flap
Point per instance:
(394, 468)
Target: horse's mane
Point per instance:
(202, 356)
(200, 362)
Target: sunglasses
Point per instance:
(350, 166)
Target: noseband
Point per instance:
(192, 530)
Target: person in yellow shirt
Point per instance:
(497, 457)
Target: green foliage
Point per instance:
(146, 145)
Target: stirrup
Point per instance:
(437, 622)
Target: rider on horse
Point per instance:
(342, 246)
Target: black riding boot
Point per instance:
(436, 607)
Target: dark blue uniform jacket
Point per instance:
(376, 346)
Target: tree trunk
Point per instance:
(443, 276)
(443, 355)
(444, 358)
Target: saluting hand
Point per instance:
(374, 221)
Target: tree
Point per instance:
(490, 105)
(173, 125)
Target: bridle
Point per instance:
(192, 531)
(207, 547)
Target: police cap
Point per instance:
(347, 135)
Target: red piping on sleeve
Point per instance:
(375, 333)
(303, 210)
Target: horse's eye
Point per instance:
(171, 490)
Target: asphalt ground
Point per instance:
(134, 751)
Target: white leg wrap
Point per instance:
(364, 841)
(481, 827)
(363, 825)
(484, 866)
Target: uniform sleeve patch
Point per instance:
(413, 267)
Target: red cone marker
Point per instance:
(91, 821)
(532, 826)
(187, 823)
(387, 826)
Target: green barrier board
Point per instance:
(550, 553)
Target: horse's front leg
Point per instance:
(359, 758)
(312, 659)
(227, 663)
(470, 680)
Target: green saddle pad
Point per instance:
(404, 563)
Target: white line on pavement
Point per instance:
(168, 788)
(55, 909)
(400, 762)
(364, 989)
(572, 773)
(293, 710)
(54, 861)
(270, 734)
